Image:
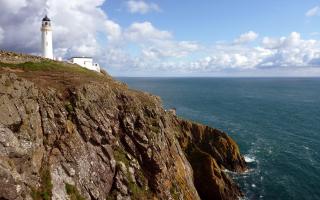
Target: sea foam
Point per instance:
(249, 158)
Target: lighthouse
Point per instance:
(46, 30)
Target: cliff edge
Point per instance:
(70, 133)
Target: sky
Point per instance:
(233, 38)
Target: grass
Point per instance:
(73, 192)
(69, 107)
(54, 74)
(48, 65)
(154, 126)
(112, 196)
(120, 156)
(174, 192)
(136, 192)
(44, 192)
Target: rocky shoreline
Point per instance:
(101, 140)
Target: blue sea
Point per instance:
(275, 121)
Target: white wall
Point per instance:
(87, 63)
(47, 48)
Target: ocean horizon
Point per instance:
(274, 120)
(226, 77)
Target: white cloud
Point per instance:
(246, 38)
(284, 52)
(226, 57)
(14, 6)
(270, 43)
(293, 40)
(170, 49)
(76, 25)
(157, 44)
(141, 7)
(145, 31)
(117, 58)
(113, 30)
(1, 35)
(313, 12)
(291, 51)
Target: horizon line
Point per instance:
(216, 76)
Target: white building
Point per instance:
(86, 62)
(46, 30)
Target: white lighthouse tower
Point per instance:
(47, 49)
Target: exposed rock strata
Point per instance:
(104, 141)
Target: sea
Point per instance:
(275, 121)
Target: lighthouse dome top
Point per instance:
(46, 18)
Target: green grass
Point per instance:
(48, 65)
(120, 156)
(174, 192)
(69, 107)
(73, 192)
(58, 75)
(136, 191)
(44, 192)
(112, 195)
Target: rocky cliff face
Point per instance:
(101, 140)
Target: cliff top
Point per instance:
(49, 73)
(60, 75)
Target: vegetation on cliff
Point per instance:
(70, 133)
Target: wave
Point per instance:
(249, 158)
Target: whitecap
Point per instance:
(306, 148)
(248, 171)
(249, 158)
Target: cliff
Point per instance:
(69, 133)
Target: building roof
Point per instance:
(46, 18)
(81, 57)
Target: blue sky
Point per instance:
(174, 38)
(215, 20)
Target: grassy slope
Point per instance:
(59, 75)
